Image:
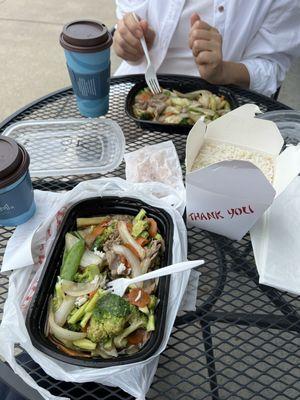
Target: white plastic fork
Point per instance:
(119, 286)
(150, 74)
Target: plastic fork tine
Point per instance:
(157, 86)
(150, 86)
(154, 86)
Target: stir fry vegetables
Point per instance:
(84, 318)
(172, 107)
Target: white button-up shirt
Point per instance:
(262, 34)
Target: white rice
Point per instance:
(213, 152)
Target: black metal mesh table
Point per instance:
(242, 342)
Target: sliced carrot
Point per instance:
(132, 249)
(138, 297)
(144, 96)
(152, 227)
(129, 226)
(141, 241)
(124, 261)
(137, 337)
(98, 230)
(91, 294)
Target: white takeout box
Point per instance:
(228, 197)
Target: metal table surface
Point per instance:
(242, 342)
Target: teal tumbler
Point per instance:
(87, 50)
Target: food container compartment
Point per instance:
(37, 313)
(70, 146)
(181, 87)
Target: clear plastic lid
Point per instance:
(70, 147)
(287, 121)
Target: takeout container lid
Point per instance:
(70, 146)
(36, 316)
(85, 36)
(228, 197)
(14, 161)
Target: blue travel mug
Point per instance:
(87, 50)
(16, 194)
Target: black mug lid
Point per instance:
(10, 156)
(85, 36)
(14, 161)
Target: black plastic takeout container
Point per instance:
(37, 313)
(184, 87)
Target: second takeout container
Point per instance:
(37, 313)
(184, 87)
(228, 197)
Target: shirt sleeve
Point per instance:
(138, 6)
(273, 48)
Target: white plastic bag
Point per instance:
(276, 241)
(156, 163)
(133, 378)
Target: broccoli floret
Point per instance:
(146, 115)
(108, 344)
(74, 327)
(101, 239)
(88, 274)
(137, 320)
(139, 227)
(109, 317)
(184, 121)
(153, 302)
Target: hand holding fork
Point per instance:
(132, 38)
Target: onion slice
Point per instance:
(89, 258)
(130, 257)
(64, 310)
(80, 289)
(128, 239)
(61, 333)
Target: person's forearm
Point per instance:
(235, 73)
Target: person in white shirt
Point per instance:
(250, 43)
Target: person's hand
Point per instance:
(127, 43)
(206, 44)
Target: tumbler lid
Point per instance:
(85, 36)
(14, 161)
